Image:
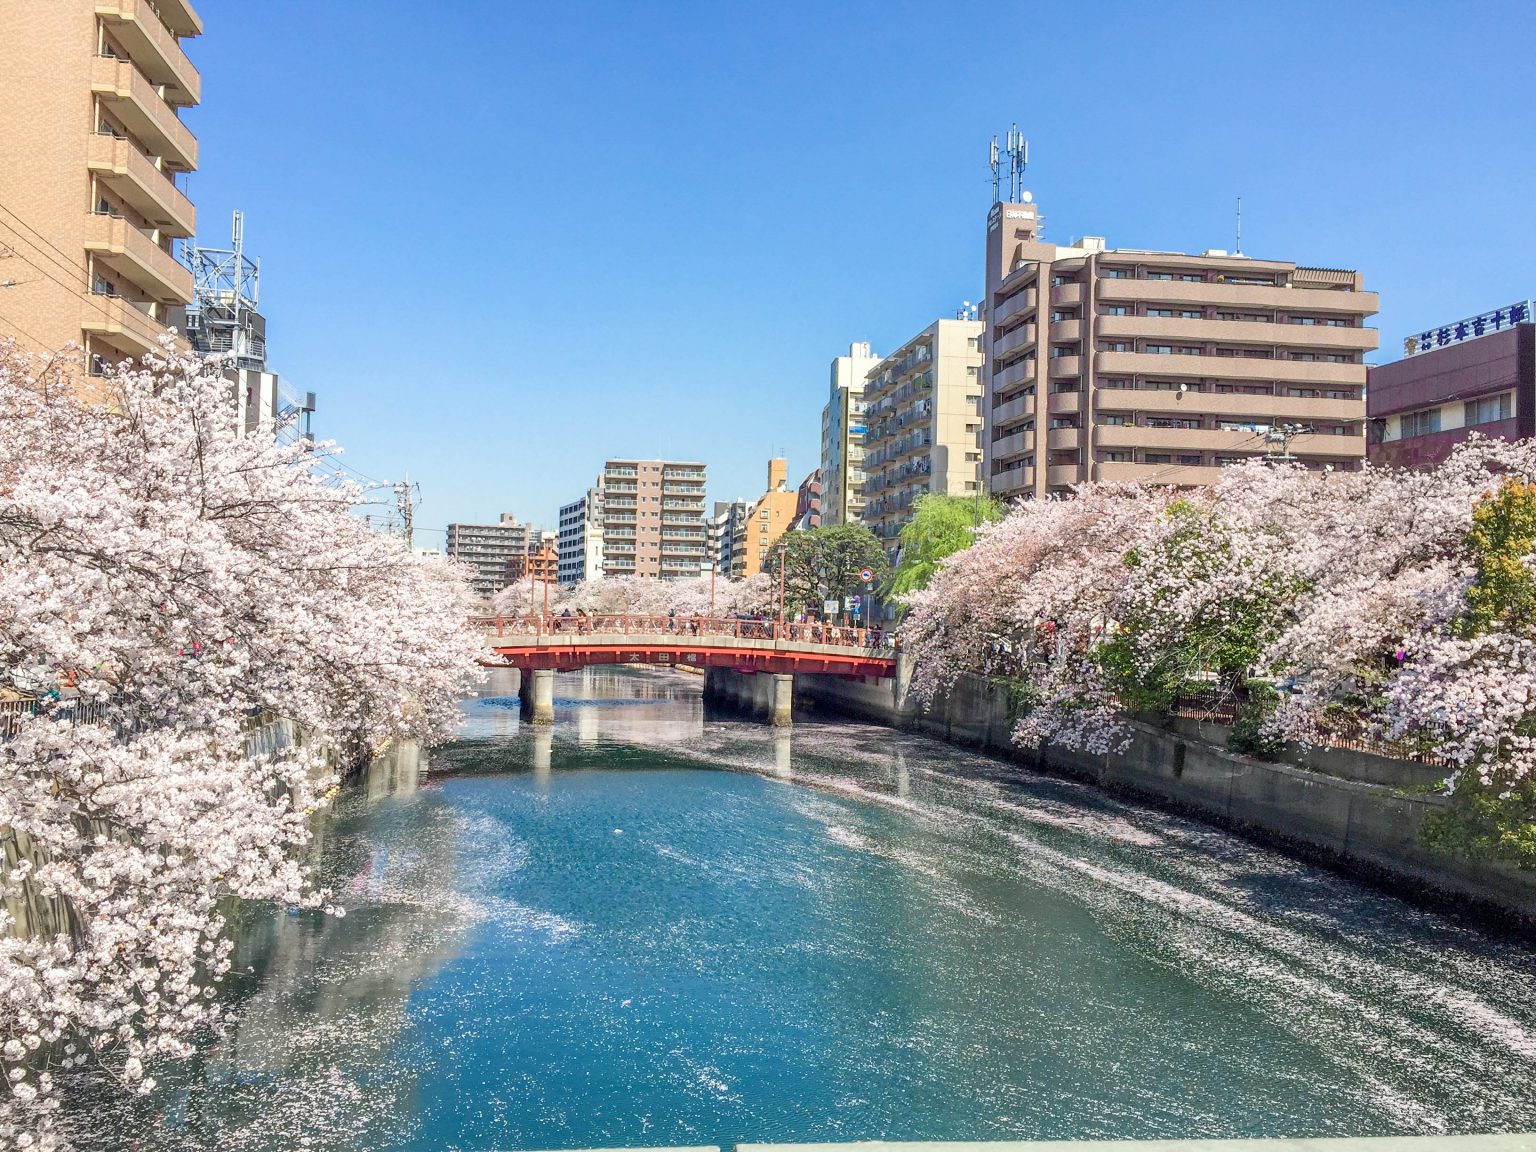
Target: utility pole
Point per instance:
(1281, 435)
(782, 550)
(406, 497)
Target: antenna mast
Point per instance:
(996, 178)
(1237, 248)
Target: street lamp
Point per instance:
(782, 550)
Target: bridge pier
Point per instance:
(782, 705)
(536, 690)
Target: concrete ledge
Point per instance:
(1520, 1142)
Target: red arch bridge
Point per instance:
(540, 646)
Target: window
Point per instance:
(1117, 273)
(1063, 421)
(1160, 312)
(973, 370)
(1192, 277)
(973, 343)
(1423, 423)
(1115, 346)
(1118, 419)
(1490, 408)
(1067, 386)
(1159, 349)
(1059, 281)
(1117, 310)
(1190, 461)
(1159, 275)
(1188, 350)
(1158, 458)
(1191, 314)
(1113, 457)
(1117, 382)
(1337, 322)
(1172, 422)
(1307, 320)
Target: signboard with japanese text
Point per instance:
(1469, 329)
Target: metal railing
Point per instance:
(67, 708)
(876, 641)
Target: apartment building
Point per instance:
(486, 550)
(771, 515)
(580, 542)
(1475, 375)
(842, 436)
(923, 415)
(653, 519)
(808, 503)
(726, 526)
(93, 161)
(1163, 366)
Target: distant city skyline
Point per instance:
(662, 224)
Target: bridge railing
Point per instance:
(873, 640)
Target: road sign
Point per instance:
(866, 575)
(855, 602)
(829, 607)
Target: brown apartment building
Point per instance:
(769, 517)
(93, 155)
(653, 519)
(1126, 364)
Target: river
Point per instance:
(649, 926)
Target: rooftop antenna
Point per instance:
(1018, 160)
(1237, 249)
(996, 178)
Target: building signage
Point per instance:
(1469, 329)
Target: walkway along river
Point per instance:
(646, 926)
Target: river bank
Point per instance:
(1357, 813)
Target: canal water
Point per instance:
(653, 926)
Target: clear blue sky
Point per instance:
(506, 241)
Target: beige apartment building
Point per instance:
(923, 424)
(653, 519)
(842, 436)
(1127, 364)
(493, 553)
(93, 155)
(769, 517)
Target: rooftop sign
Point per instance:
(1469, 329)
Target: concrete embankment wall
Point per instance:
(1345, 809)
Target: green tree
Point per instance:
(826, 564)
(940, 526)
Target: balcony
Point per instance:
(1180, 474)
(1014, 444)
(131, 254)
(1011, 410)
(1262, 296)
(1015, 304)
(144, 187)
(1068, 294)
(1223, 405)
(1064, 403)
(125, 324)
(1215, 440)
(1063, 439)
(1019, 340)
(1064, 475)
(1014, 482)
(1064, 331)
(1066, 367)
(152, 46)
(1013, 376)
(142, 110)
(1166, 328)
(1238, 368)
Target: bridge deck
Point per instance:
(568, 643)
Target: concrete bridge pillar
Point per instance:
(538, 695)
(783, 700)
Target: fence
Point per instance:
(1345, 733)
(75, 711)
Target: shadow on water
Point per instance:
(649, 925)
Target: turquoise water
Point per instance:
(650, 927)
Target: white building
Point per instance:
(580, 544)
(842, 436)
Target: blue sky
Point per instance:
(505, 241)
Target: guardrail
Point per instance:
(874, 640)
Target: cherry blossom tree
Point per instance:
(165, 581)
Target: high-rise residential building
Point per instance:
(653, 519)
(1163, 366)
(93, 160)
(581, 538)
(808, 503)
(726, 526)
(923, 410)
(771, 515)
(1475, 375)
(486, 548)
(842, 436)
